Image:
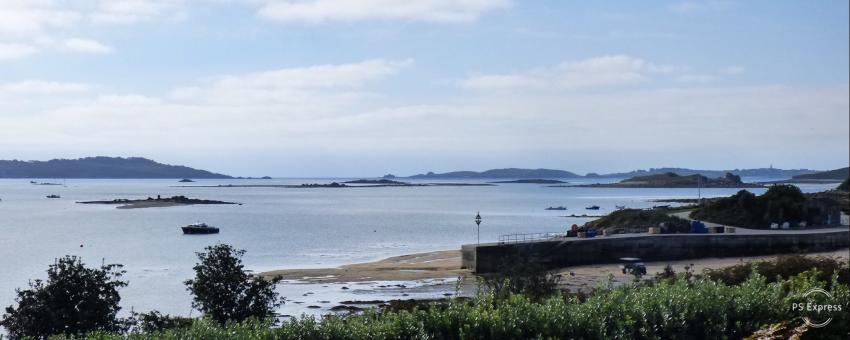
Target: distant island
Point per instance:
(836, 175)
(100, 167)
(672, 180)
(43, 183)
(383, 181)
(532, 181)
(157, 202)
(510, 173)
(757, 172)
(360, 183)
(520, 173)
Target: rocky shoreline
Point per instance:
(157, 202)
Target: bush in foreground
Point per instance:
(783, 268)
(73, 300)
(225, 292)
(702, 309)
(845, 186)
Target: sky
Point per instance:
(354, 88)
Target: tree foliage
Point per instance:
(779, 204)
(522, 276)
(845, 186)
(224, 291)
(640, 220)
(73, 300)
(155, 321)
(680, 309)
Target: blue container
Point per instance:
(591, 233)
(698, 227)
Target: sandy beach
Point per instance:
(447, 263)
(431, 265)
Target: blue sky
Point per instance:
(366, 87)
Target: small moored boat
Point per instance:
(593, 207)
(557, 208)
(199, 228)
(53, 196)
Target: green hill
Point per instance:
(673, 180)
(837, 175)
(781, 203)
(639, 220)
(100, 167)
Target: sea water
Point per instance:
(279, 228)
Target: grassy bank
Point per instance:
(668, 308)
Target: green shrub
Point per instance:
(224, 291)
(702, 309)
(522, 276)
(845, 186)
(156, 321)
(744, 209)
(640, 220)
(73, 300)
(782, 268)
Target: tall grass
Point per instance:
(668, 309)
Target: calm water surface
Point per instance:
(279, 227)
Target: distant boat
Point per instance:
(557, 208)
(593, 207)
(53, 196)
(199, 228)
(620, 207)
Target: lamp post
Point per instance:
(478, 226)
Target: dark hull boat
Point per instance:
(199, 228)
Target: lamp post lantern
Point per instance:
(478, 226)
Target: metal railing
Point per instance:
(517, 238)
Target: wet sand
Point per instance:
(446, 264)
(431, 265)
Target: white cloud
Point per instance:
(330, 114)
(85, 46)
(317, 89)
(15, 51)
(44, 23)
(501, 81)
(689, 7)
(732, 70)
(43, 87)
(24, 18)
(314, 11)
(613, 70)
(696, 78)
(601, 71)
(132, 11)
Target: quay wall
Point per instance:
(566, 252)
